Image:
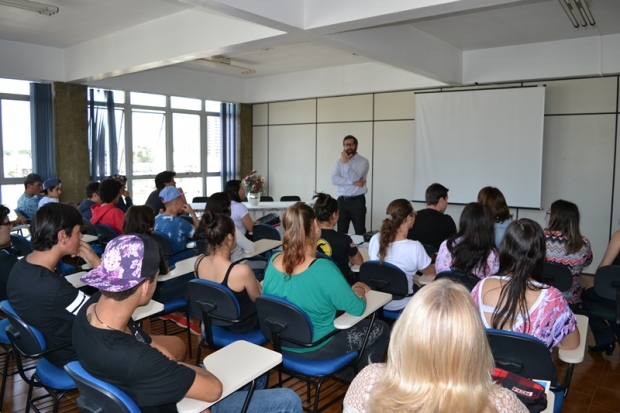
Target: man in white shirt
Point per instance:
(350, 178)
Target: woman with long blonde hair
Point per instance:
(439, 360)
(391, 245)
(318, 287)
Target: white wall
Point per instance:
(31, 62)
(579, 157)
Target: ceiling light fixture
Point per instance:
(220, 62)
(31, 6)
(578, 13)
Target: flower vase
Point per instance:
(254, 198)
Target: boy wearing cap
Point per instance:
(107, 213)
(43, 299)
(51, 191)
(178, 230)
(111, 347)
(28, 202)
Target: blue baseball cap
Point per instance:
(169, 193)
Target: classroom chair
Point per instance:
(387, 278)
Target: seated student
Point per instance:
(219, 203)
(239, 212)
(92, 198)
(340, 247)
(106, 213)
(566, 245)
(517, 300)
(493, 199)
(51, 191)
(28, 202)
(124, 201)
(42, 298)
(317, 287)
(112, 347)
(8, 254)
(445, 369)
(177, 229)
(391, 245)
(472, 249)
(162, 180)
(217, 266)
(432, 225)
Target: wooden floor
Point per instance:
(595, 387)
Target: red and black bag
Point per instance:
(531, 394)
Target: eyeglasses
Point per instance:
(548, 213)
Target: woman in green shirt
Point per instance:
(318, 287)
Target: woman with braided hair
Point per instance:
(391, 245)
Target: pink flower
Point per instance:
(253, 171)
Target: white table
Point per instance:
(88, 238)
(374, 301)
(576, 355)
(153, 307)
(263, 245)
(235, 365)
(181, 268)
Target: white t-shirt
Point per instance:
(408, 255)
(237, 212)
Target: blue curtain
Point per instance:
(42, 130)
(102, 130)
(228, 122)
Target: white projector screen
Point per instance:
(471, 139)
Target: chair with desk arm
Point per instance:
(387, 278)
(558, 276)
(468, 280)
(27, 342)
(105, 233)
(217, 307)
(286, 324)
(98, 396)
(529, 357)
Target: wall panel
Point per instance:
(345, 108)
(297, 111)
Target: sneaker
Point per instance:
(182, 322)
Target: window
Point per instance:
(167, 133)
(15, 139)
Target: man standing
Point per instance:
(28, 202)
(350, 178)
(432, 226)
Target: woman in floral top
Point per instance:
(516, 299)
(566, 245)
(472, 249)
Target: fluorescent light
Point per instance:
(578, 13)
(31, 6)
(219, 62)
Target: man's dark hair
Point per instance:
(109, 189)
(4, 213)
(49, 220)
(162, 178)
(92, 188)
(139, 219)
(434, 193)
(32, 179)
(346, 138)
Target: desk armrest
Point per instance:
(576, 355)
(374, 301)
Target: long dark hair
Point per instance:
(564, 217)
(139, 219)
(324, 207)
(521, 258)
(397, 212)
(475, 240)
(493, 199)
(232, 189)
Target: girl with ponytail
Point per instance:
(391, 245)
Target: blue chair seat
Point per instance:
(4, 339)
(392, 315)
(317, 368)
(223, 337)
(51, 375)
(174, 305)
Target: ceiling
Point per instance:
(462, 25)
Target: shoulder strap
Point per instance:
(196, 264)
(225, 280)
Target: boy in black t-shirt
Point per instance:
(112, 348)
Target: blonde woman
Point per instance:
(426, 369)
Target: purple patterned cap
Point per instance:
(125, 263)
